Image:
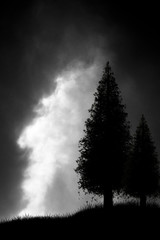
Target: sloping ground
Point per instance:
(123, 221)
(87, 221)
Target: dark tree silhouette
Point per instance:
(142, 170)
(105, 145)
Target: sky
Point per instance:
(52, 57)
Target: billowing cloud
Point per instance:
(40, 40)
(52, 140)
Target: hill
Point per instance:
(122, 221)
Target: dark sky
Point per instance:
(40, 38)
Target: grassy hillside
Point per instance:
(122, 221)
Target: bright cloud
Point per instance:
(52, 137)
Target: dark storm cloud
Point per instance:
(137, 63)
(39, 38)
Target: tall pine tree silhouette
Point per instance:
(104, 148)
(142, 168)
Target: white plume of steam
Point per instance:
(53, 135)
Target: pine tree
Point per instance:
(142, 173)
(104, 148)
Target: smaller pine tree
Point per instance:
(142, 169)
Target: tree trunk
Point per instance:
(108, 200)
(143, 200)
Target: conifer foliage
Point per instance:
(142, 170)
(105, 145)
